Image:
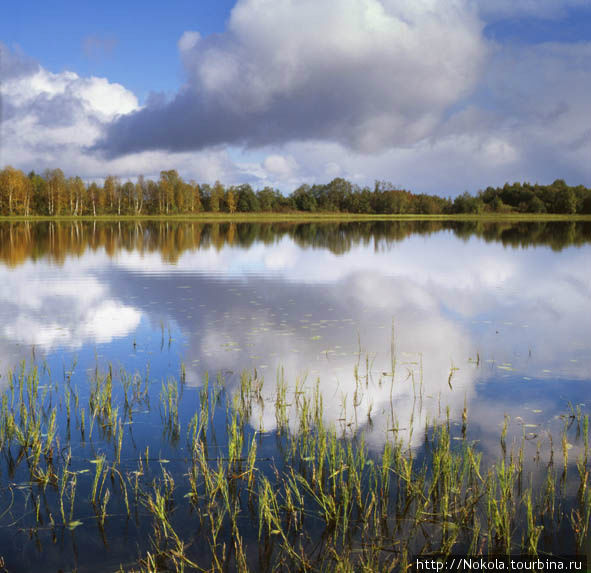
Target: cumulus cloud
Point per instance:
(46, 115)
(370, 74)
(378, 90)
(280, 165)
(410, 92)
(526, 120)
(188, 41)
(50, 119)
(14, 64)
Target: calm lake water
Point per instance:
(491, 318)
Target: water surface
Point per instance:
(434, 318)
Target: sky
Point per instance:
(436, 96)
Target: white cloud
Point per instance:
(332, 169)
(188, 40)
(409, 92)
(367, 73)
(51, 119)
(47, 116)
(105, 98)
(280, 166)
(99, 96)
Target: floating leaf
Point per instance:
(74, 524)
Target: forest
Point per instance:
(53, 194)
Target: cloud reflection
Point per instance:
(459, 314)
(69, 306)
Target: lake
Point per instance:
(176, 356)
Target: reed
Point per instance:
(99, 464)
(317, 498)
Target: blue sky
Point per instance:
(572, 25)
(131, 42)
(434, 95)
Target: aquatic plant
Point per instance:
(311, 495)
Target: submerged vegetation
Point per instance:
(54, 195)
(83, 469)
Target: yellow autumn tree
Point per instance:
(15, 191)
(231, 200)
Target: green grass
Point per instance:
(208, 217)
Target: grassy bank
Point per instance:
(305, 217)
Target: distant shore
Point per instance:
(302, 217)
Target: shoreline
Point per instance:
(300, 217)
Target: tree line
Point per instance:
(54, 194)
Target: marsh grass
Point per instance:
(311, 495)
